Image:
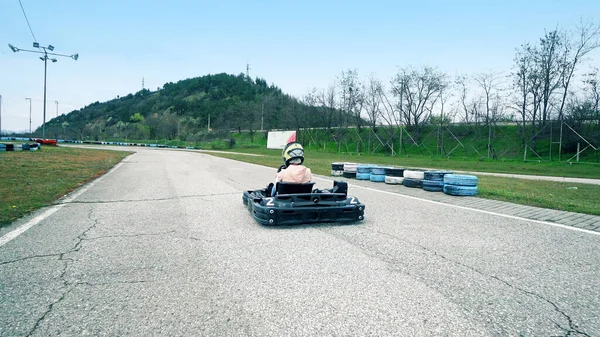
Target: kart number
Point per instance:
(270, 202)
(352, 200)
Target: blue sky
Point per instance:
(296, 45)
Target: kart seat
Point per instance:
(293, 188)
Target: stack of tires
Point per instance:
(363, 172)
(394, 176)
(460, 184)
(377, 174)
(337, 169)
(350, 170)
(433, 181)
(413, 178)
(2, 147)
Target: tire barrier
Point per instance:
(433, 185)
(411, 182)
(460, 184)
(350, 167)
(363, 172)
(19, 147)
(378, 170)
(349, 175)
(337, 169)
(392, 180)
(460, 179)
(337, 173)
(364, 168)
(337, 166)
(363, 176)
(394, 172)
(435, 175)
(414, 174)
(377, 174)
(460, 190)
(377, 178)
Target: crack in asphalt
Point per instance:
(573, 328)
(129, 235)
(37, 323)
(61, 257)
(148, 199)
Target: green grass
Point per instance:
(33, 179)
(546, 194)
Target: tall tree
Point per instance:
(418, 90)
(586, 38)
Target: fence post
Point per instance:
(578, 151)
(525, 153)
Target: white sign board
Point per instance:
(278, 139)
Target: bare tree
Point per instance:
(327, 100)
(372, 98)
(418, 90)
(462, 83)
(549, 58)
(592, 81)
(587, 38)
(522, 82)
(352, 95)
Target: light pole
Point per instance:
(56, 108)
(27, 98)
(45, 58)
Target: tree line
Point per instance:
(547, 82)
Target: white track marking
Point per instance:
(52, 209)
(471, 209)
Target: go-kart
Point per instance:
(295, 204)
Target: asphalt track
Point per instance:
(162, 246)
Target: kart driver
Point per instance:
(293, 171)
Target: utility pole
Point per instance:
(45, 58)
(29, 114)
(56, 108)
(142, 83)
(247, 71)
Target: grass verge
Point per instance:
(572, 197)
(33, 179)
